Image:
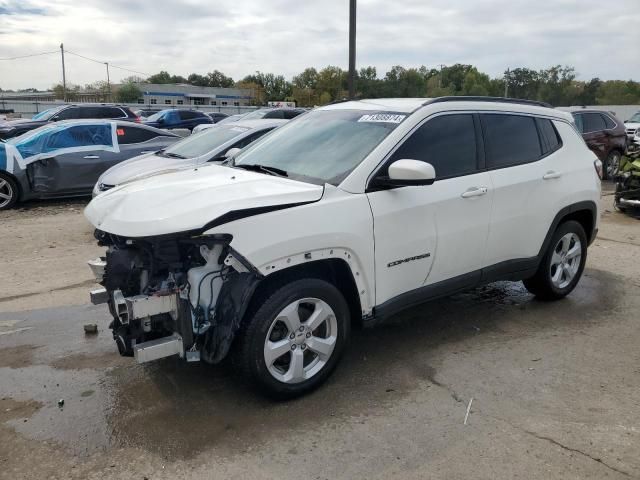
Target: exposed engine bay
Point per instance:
(173, 295)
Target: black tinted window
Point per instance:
(275, 114)
(186, 115)
(128, 135)
(447, 142)
(114, 112)
(68, 114)
(550, 136)
(289, 114)
(510, 140)
(608, 122)
(592, 122)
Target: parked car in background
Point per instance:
(211, 145)
(605, 135)
(263, 113)
(632, 126)
(65, 159)
(349, 214)
(13, 128)
(145, 113)
(231, 118)
(217, 116)
(178, 118)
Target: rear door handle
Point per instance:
(551, 175)
(475, 192)
(91, 157)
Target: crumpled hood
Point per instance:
(144, 166)
(189, 199)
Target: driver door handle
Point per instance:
(475, 192)
(551, 175)
(91, 157)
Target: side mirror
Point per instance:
(160, 121)
(407, 172)
(232, 152)
(55, 118)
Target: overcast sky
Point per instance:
(598, 37)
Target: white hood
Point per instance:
(144, 166)
(189, 199)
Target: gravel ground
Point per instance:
(555, 386)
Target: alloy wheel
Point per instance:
(565, 260)
(6, 193)
(300, 340)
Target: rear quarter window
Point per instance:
(129, 135)
(510, 140)
(550, 139)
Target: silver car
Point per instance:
(210, 145)
(64, 159)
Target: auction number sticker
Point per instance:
(382, 118)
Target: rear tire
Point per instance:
(562, 264)
(9, 192)
(294, 339)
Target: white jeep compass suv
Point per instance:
(351, 212)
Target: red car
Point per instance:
(605, 135)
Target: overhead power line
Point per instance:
(31, 55)
(103, 63)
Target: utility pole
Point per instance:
(506, 84)
(352, 49)
(440, 75)
(64, 75)
(108, 83)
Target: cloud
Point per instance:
(239, 37)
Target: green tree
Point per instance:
(275, 87)
(162, 77)
(128, 93)
(219, 79)
(618, 92)
(307, 79)
(198, 80)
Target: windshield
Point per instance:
(156, 116)
(204, 142)
(322, 146)
(635, 118)
(46, 114)
(256, 114)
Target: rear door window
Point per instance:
(448, 142)
(129, 135)
(510, 140)
(593, 122)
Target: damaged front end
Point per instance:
(173, 294)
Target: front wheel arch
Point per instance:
(335, 271)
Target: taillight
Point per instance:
(597, 164)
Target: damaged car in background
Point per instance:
(351, 212)
(65, 159)
(212, 145)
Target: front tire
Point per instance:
(8, 192)
(293, 341)
(562, 264)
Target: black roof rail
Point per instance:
(486, 99)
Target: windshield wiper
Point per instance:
(255, 167)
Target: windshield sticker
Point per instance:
(382, 118)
